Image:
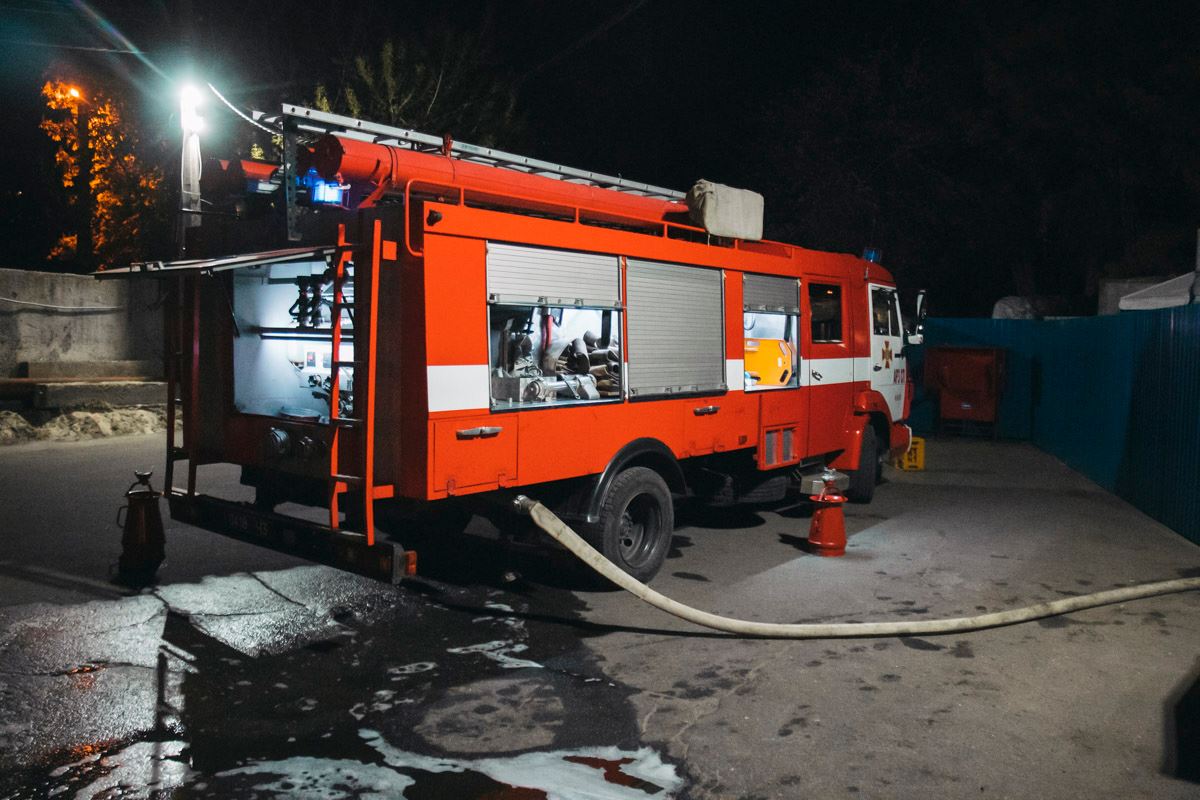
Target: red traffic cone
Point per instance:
(827, 533)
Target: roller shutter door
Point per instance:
(770, 293)
(676, 329)
(541, 276)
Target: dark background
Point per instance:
(987, 149)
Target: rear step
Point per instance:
(382, 561)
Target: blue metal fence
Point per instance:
(1116, 398)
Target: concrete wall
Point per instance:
(130, 331)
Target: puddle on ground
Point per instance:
(586, 774)
(299, 685)
(161, 769)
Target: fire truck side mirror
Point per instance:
(917, 336)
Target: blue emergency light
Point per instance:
(323, 191)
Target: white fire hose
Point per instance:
(562, 533)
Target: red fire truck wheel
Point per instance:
(863, 479)
(637, 519)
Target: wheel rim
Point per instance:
(641, 523)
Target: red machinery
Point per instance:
(484, 322)
(968, 382)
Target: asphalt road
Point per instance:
(248, 673)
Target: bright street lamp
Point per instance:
(189, 110)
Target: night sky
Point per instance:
(988, 149)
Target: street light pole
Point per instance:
(189, 169)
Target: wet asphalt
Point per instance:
(300, 676)
(243, 672)
(246, 673)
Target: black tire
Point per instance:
(637, 519)
(863, 479)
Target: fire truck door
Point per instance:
(888, 363)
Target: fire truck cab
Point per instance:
(470, 324)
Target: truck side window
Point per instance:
(553, 355)
(881, 305)
(825, 303)
(885, 312)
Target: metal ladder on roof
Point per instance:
(323, 122)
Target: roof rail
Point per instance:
(314, 121)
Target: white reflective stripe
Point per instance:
(863, 368)
(833, 370)
(461, 387)
(464, 387)
(735, 374)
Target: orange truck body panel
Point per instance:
(538, 445)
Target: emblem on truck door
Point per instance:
(887, 355)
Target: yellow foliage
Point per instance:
(64, 248)
(122, 189)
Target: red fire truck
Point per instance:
(462, 323)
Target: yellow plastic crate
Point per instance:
(914, 459)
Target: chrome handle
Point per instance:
(704, 411)
(878, 367)
(477, 433)
(817, 376)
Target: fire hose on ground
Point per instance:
(562, 533)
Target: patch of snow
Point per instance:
(561, 774)
(498, 651)
(400, 672)
(308, 778)
(74, 426)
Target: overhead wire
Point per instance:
(604, 26)
(236, 110)
(53, 307)
(25, 43)
(110, 31)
